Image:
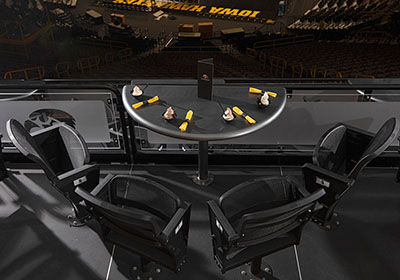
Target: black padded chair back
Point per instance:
(265, 208)
(381, 141)
(139, 193)
(139, 225)
(27, 145)
(346, 150)
(330, 152)
(261, 194)
(133, 204)
(75, 145)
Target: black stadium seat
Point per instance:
(63, 155)
(340, 155)
(135, 213)
(142, 216)
(257, 218)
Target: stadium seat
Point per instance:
(63, 155)
(341, 153)
(141, 216)
(257, 218)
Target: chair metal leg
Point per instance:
(266, 273)
(255, 267)
(256, 270)
(145, 269)
(324, 221)
(81, 215)
(145, 264)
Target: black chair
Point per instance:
(63, 155)
(257, 218)
(141, 216)
(340, 155)
(3, 170)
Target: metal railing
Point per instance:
(128, 126)
(60, 86)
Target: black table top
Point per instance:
(207, 123)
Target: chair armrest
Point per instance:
(103, 183)
(218, 219)
(334, 184)
(178, 223)
(302, 190)
(86, 170)
(299, 185)
(86, 177)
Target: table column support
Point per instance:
(203, 178)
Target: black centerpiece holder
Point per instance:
(205, 76)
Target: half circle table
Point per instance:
(207, 123)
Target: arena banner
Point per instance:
(223, 12)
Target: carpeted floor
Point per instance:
(36, 241)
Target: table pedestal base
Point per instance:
(203, 178)
(203, 182)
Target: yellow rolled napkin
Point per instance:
(255, 90)
(148, 101)
(188, 118)
(241, 113)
